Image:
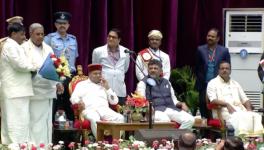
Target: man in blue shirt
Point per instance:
(65, 44)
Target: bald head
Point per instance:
(187, 141)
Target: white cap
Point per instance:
(155, 33)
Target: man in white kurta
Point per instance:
(115, 63)
(95, 95)
(16, 87)
(40, 107)
(153, 52)
(236, 107)
(163, 98)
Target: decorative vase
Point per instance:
(136, 117)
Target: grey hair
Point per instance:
(34, 26)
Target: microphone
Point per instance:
(129, 52)
(151, 82)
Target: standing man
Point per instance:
(15, 19)
(115, 63)
(167, 107)
(63, 43)
(94, 95)
(153, 52)
(16, 87)
(40, 106)
(208, 57)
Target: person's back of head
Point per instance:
(187, 141)
(234, 143)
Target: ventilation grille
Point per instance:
(255, 98)
(245, 23)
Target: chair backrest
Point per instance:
(76, 79)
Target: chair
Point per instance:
(80, 122)
(215, 120)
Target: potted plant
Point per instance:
(183, 82)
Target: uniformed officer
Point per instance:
(63, 43)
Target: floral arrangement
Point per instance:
(62, 66)
(136, 103)
(32, 146)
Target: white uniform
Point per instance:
(44, 91)
(182, 117)
(15, 91)
(142, 61)
(113, 73)
(96, 100)
(231, 92)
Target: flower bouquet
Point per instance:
(54, 68)
(136, 106)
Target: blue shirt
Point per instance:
(211, 68)
(66, 45)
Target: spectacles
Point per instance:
(113, 37)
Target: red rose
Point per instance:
(71, 145)
(41, 145)
(57, 63)
(86, 142)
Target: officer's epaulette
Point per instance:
(71, 36)
(52, 34)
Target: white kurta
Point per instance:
(231, 92)
(44, 91)
(96, 100)
(159, 55)
(15, 91)
(182, 117)
(113, 73)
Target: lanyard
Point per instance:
(212, 57)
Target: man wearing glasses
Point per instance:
(115, 63)
(153, 52)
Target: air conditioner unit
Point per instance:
(244, 31)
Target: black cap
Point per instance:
(62, 17)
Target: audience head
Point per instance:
(224, 70)
(212, 37)
(36, 32)
(62, 21)
(113, 38)
(16, 31)
(187, 141)
(154, 68)
(95, 72)
(155, 37)
(234, 143)
(15, 19)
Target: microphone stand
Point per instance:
(150, 107)
(148, 86)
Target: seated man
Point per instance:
(163, 97)
(94, 95)
(187, 141)
(235, 105)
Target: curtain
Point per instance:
(184, 23)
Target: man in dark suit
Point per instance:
(208, 57)
(261, 68)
